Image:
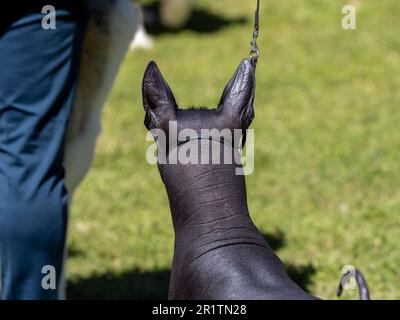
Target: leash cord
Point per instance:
(255, 52)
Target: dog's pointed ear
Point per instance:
(237, 99)
(158, 100)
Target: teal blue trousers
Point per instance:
(38, 79)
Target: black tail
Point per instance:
(361, 282)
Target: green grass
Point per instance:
(326, 186)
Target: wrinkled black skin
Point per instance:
(219, 252)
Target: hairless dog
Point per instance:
(219, 252)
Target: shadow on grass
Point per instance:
(276, 240)
(302, 275)
(201, 21)
(74, 252)
(153, 285)
(133, 284)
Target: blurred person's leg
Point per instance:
(38, 80)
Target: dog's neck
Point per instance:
(212, 226)
(206, 197)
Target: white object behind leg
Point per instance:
(141, 39)
(110, 30)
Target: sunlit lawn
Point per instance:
(326, 186)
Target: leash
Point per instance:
(255, 52)
(361, 283)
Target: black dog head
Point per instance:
(234, 111)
